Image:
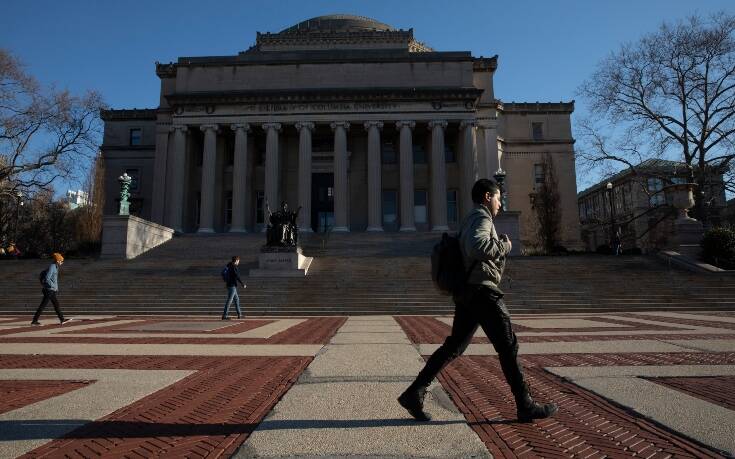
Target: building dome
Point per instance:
(338, 22)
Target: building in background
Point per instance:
(635, 205)
(360, 124)
(77, 198)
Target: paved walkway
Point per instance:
(645, 385)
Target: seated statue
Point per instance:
(282, 228)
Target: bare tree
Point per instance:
(44, 133)
(671, 95)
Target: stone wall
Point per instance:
(127, 237)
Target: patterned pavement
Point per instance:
(629, 385)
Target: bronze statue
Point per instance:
(282, 228)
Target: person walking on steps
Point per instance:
(231, 275)
(50, 281)
(480, 303)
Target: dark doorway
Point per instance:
(322, 202)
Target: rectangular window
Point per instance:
(419, 154)
(449, 156)
(537, 130)
(420, 211)
(259, 211)
(655, 187)
(539, 176)
(390, 207)
(136, 136)
(388, 153)
(452, 212)
(228, 208)
(197, 208)
(135, 183)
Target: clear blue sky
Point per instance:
(546, 48)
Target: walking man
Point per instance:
(232, 277)
(50, 282)
(480, 303)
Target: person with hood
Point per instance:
(50, 282)
(480, 304)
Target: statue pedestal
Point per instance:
(281, 262)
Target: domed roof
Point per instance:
(338, 22)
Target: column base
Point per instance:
(440, 228)
(238, 230)
(205, 230)
(407, 228)
(340, 229)
(374, 229)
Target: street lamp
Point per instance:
(613, 245)
(124, 181)
(19, 202)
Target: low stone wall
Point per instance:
(127, 236)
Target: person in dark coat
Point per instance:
(232, 278)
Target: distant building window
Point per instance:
(390, 207)
(655, 191)
(259, 211)
(228, 208)
(537, 130)
(452, 212)
(419, 154)
(136, 136)
(419, 206)
(135, 182)
(539, 176)
(388, 153)
(449, 156)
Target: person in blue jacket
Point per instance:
(50, 284)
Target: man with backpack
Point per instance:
(231, 276)
(50, 281)
(478, 302)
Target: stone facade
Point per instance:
(358, 123)
(639, 207)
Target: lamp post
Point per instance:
(125, 181)
(613, 245)
(19, 203)
(500, 179)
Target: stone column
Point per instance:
(340, 176)
(178, 177)
(469, 164)
(209, 163)
(406, 174)
(305, 129)
(375, 216)
(240, 185)
(271, 167)
(159, 175)
(492, 161)
(438, 195)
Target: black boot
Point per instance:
(528, 410)
(413, 401)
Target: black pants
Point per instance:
(483, 307)
(48, 295)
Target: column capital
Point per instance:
(437, 123)
(267, 126)
(369, 124)
(179, 127)
(467, 123)
(304, 125)
(405, 123)
(345, 124)
(206, 127)
(236, 127)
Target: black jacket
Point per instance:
(233, 275)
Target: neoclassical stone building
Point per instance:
(358, 123)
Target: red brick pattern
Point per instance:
(719, 390)
(681, 321)
(586, 426)
(209, 413)
(15, 393)
(226, 327)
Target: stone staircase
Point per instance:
(353, 274)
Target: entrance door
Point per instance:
(322, 202)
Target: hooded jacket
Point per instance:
(479, 243)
